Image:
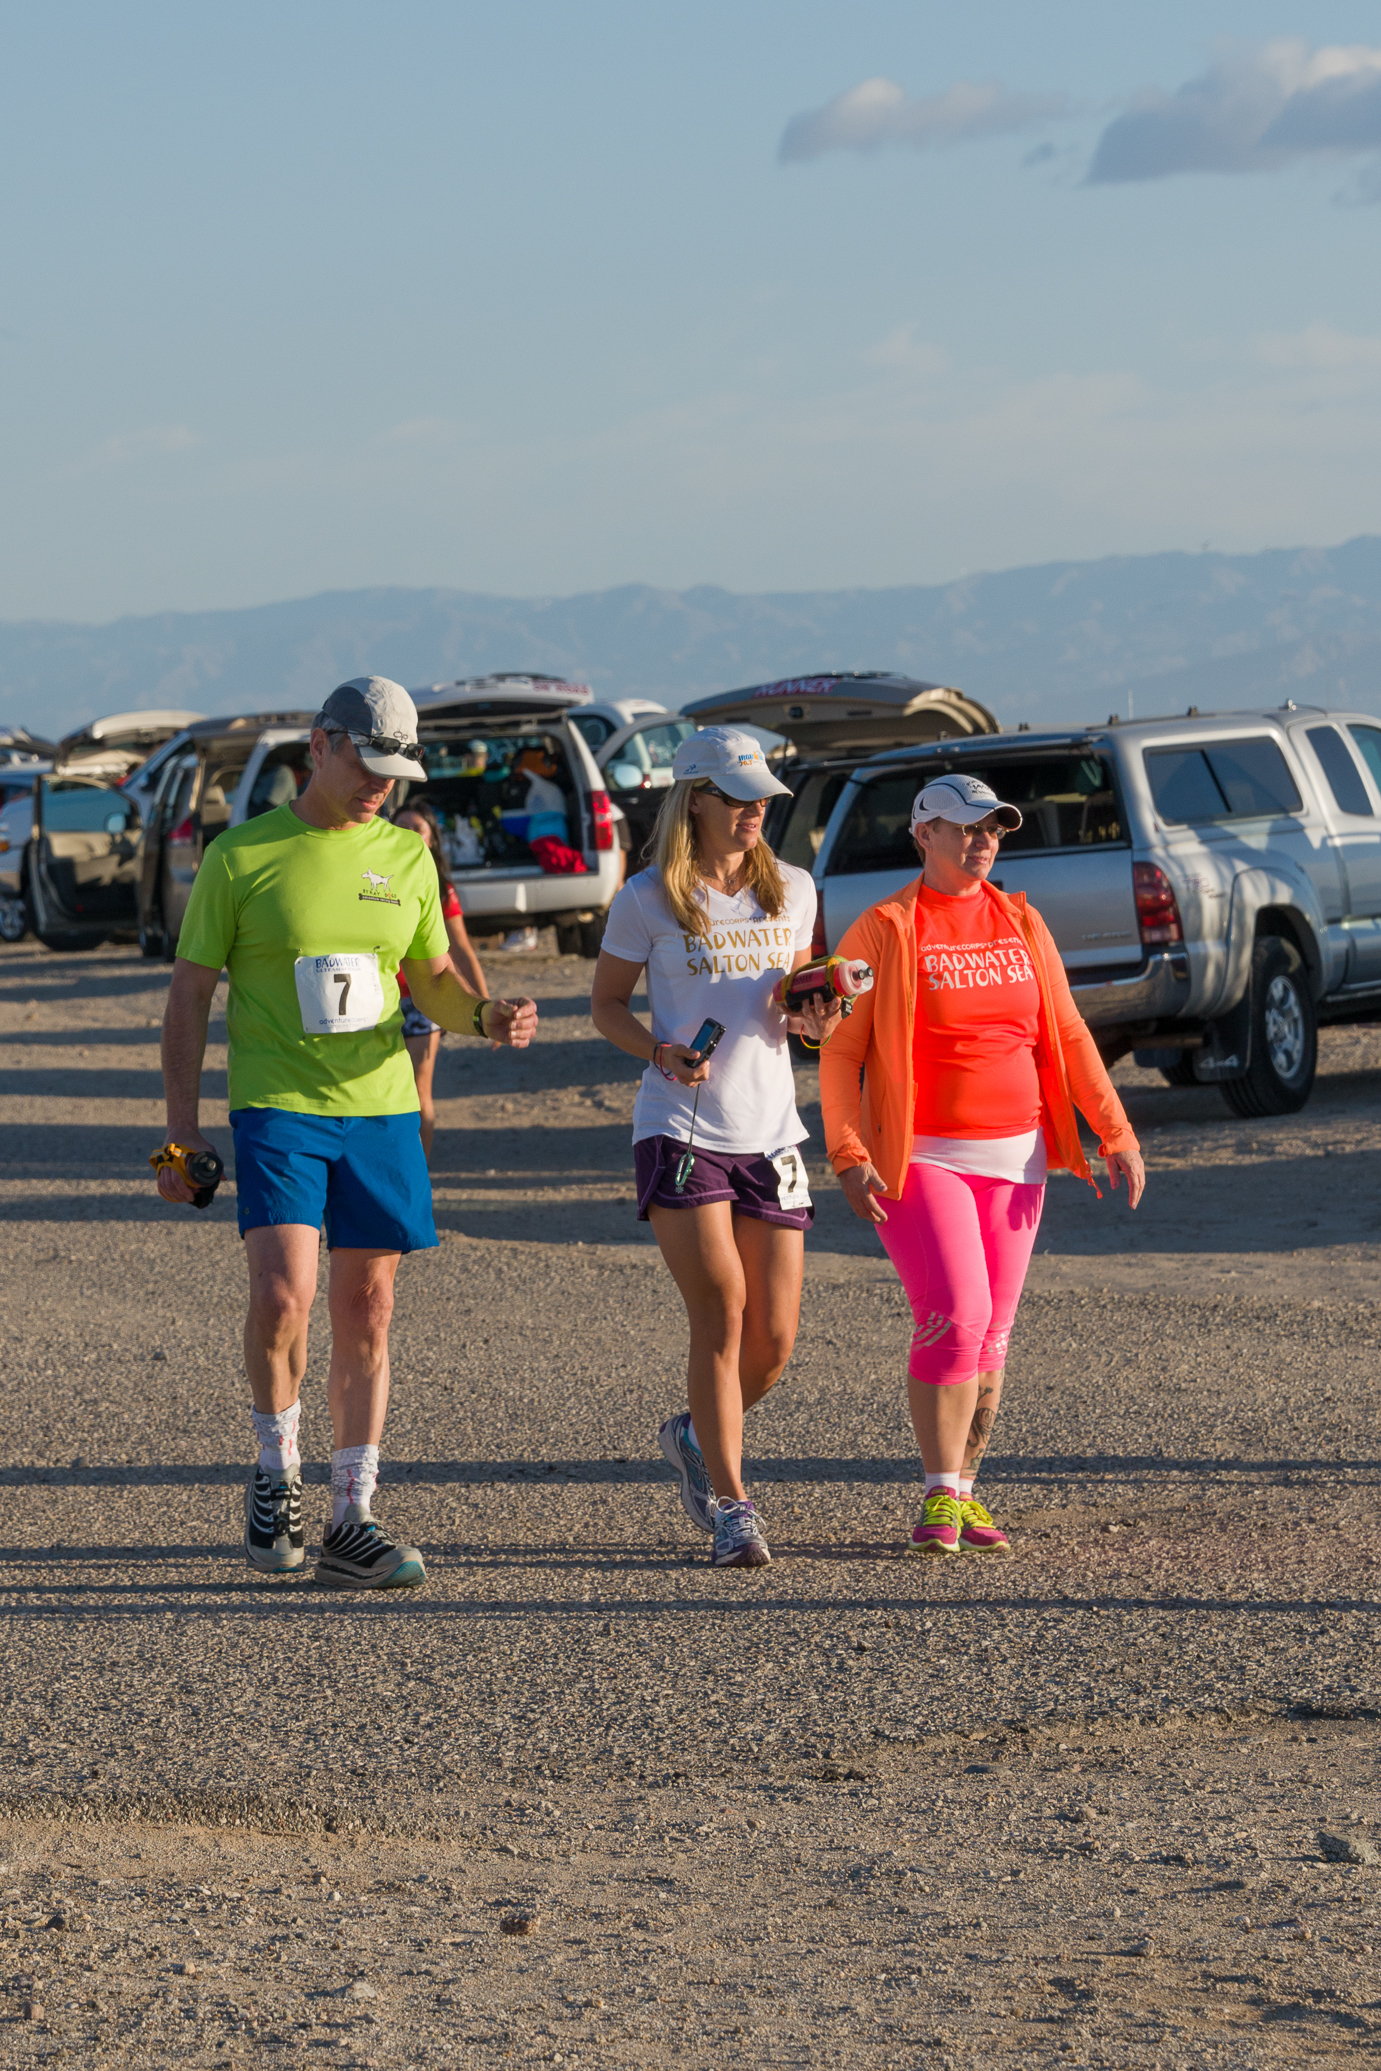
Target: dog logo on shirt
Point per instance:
(378, 893)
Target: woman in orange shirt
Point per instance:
(973, 1057)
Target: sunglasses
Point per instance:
(741, 804)
(376, 743)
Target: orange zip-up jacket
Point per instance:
(873, 1121)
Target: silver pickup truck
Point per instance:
(1213, 882)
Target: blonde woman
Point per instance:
(714, 923)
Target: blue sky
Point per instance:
(546, 298)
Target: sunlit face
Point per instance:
(731, 823)
(415, 824)
(961, 851)
(341, 780)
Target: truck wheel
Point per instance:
(150, 942)
(1181, 1074)
(592, 934)
(568, 938)
(1285, 1035)
(14, 920)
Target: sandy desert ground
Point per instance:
(585, 1801)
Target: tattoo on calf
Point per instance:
(980, 1431)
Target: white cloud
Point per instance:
(1258, 107)
(902, 352)
(1319, 349)
(879, 112)
(140, 445)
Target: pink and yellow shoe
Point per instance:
(938, 1531)
(978, 1533)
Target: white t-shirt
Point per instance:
(725, 973)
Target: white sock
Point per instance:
(966, 1482)
(354, 1478)
(940, 1485)
(276, 1431)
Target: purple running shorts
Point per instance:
(772, 1189)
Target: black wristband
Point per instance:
(478, 1018)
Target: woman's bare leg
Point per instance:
(773, 1266)
(703, 1259)
(986, 1407)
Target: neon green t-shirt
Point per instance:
(312, 925)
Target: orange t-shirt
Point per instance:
(977, 1020)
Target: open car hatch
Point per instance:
(847, 711)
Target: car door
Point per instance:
(84, 858)
(1358, 833)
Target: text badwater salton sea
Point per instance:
(1004, 962)
(739, 952)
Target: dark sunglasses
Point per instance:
(377, 743)
(741, 803)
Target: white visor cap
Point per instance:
(734, 761)
(964, 800)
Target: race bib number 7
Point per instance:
(793, 1188)
(339, 994)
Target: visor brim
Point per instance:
(744, 788)
(391, 766)
(969, 816)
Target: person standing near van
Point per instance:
(311, 908)
(973, 1058)
(713, 924)
(422, 1035)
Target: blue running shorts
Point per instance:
(364, 1176)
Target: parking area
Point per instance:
(585, 1801)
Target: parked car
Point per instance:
(211, 776)
(473, 734)
(77, 861)
(828, 721)
(600, 719)
(110, 749)
(17, 780)
(636, 763)
(484, 742)
(1213, 882)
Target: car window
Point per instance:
(86, 809)
(1344, 779)
(1368, 739)
(661, 742)
(278, 780)
(1222, 780)
(595, 729)
(1066, 801)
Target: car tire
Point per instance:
(150, 942)
(14, 920)
(592, 934)
(1284, 1038)
(568, 938)
(1181, 1074)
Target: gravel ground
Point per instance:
(585, 1801)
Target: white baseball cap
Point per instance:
(964, 800)
(381, 719)
(731, 760)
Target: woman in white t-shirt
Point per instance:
(714, 924)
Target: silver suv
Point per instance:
(1213, 881)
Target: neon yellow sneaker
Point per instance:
(978, 1533)
(938, 1531)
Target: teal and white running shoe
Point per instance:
(738, 1539)
(684, 1457)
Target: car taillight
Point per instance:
(1157, 914)
(602, 817)
(181, 837)
(818, 944)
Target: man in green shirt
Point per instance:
(311, 908)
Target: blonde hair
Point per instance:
(675, 853)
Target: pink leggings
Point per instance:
(961, 1247)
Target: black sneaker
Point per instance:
(359, 1554)
(273, 1521)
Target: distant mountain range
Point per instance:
(1068, 641)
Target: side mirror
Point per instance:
(625, 776)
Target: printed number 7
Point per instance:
(342, 979)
